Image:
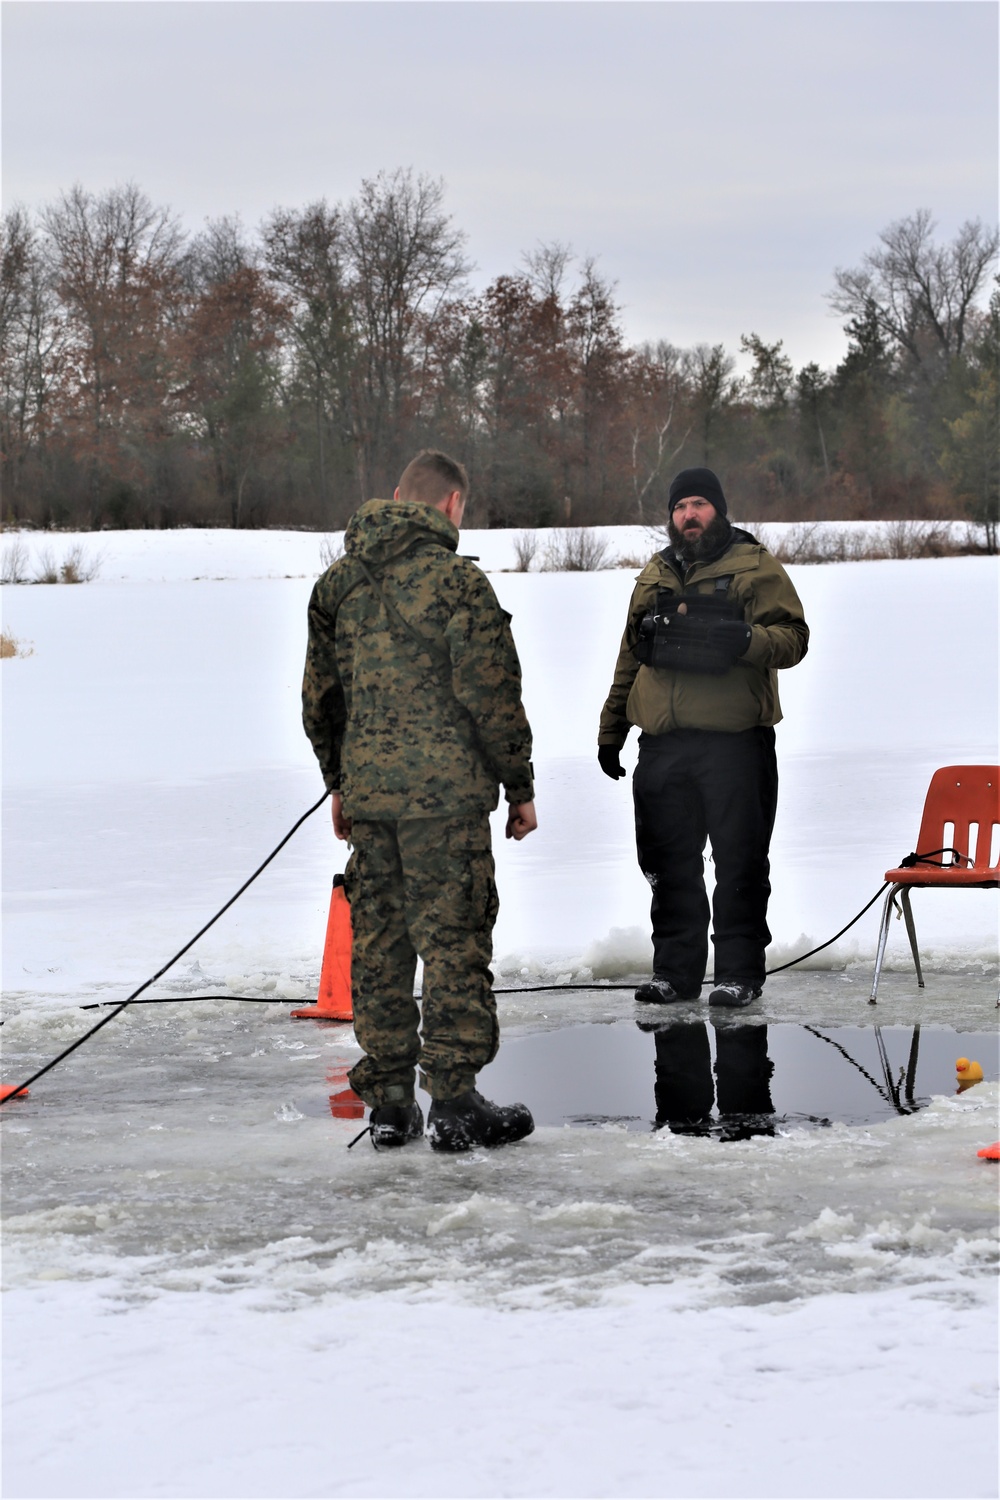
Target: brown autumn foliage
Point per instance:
(278, 378)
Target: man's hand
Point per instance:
(341, 825)
(521, 820)
(609, 761)
(732, 637)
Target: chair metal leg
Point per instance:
(892, 1089)
(911, 933)
(883, 934)
(911, 1064)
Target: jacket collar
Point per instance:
(721, 562)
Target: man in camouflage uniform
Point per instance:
(412, 701)
(713, 618)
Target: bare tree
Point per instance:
(220, 252)
(922, 292)
(115, 266)
(811, 387)
(709, 373)
(406, 262)
(230, 346)
(305, 253)
(600, 360)
(971, 456)
(547, 265)
(30, 334)
(658, 386)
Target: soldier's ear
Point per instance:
(395, 493)
(453, 507)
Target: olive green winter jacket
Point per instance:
(401, 731)
(659, 700)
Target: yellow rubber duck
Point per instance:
(967, 1073)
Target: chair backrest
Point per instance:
(963, 801)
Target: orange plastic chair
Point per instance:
(966, 800)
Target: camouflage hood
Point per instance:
(399, 730)
(382, 530)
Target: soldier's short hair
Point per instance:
(432, 476)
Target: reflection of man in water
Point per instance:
(685, 1090)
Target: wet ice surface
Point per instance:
(193, 1147)
(208, 1295)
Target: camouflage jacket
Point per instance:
(401, 732)
(659, 700)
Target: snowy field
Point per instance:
(206, 1295)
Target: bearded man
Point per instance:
(713, 618)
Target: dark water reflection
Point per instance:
(686, 1085)
(731, 1079)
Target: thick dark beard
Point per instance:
(711, 543)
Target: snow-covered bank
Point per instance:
(890, 1395)
(213, 555)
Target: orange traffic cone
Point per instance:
(990, 1153)
(345, 1104)
(7, 1089)
(334, 1000)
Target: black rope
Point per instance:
(542, 989)
(547, 989)
(170, 962)
(191, 999)
(514, 989)
(801, 959)
(912, 860)
(507, 989)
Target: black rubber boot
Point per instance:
(468, 1121)
(660, 991)
(735, 994)
(395, 1124)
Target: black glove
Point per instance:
(731, 637)
(607, 758)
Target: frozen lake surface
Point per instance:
(189, 1137)
(207, 1291)
(207, 1294)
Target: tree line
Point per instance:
(280, 377)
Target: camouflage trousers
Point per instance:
(422, 886)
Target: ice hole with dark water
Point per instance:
(726, 1077)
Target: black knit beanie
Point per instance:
(698, 482)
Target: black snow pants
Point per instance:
(689, 786)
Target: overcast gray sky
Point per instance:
(718, 157)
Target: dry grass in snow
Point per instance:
(10, 646)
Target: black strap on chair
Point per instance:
(928, 859)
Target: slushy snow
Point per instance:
(207, 1295)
